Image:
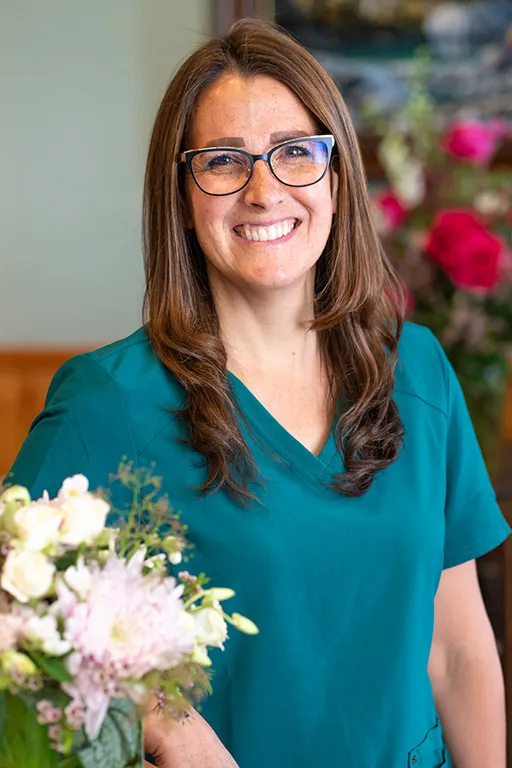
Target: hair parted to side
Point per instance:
(359, 298)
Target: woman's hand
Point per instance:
(189, 744)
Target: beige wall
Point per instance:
(80, 81)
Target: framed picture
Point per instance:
(368, 46)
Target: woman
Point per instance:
(321, 451)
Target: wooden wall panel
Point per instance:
(25, 376)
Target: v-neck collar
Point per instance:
(276, 437)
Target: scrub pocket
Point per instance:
(431, 752)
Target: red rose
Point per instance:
(473, 140)
(389, 213)
(468, 253)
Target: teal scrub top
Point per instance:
(342, 589)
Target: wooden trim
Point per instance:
(25, 375)
(32, 356)
(226, 12)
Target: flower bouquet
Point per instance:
(93, 628)
(445, 218)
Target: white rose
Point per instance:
(27, 574)
(187, 623)
(84, 519)
(79, 578)
(211, 628)
(42, 630)
(78, 485)
(37, 526)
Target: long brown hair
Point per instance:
(358, 296)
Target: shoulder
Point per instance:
(124, 378)
(423, 371)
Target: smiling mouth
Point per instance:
(273, 232)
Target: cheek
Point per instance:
(318, 200)
(321, 216)
(207, 216)
(203, 213)
(206, 212)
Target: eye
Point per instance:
(297, 150)
(218, 161)
(221, 162)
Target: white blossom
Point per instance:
(27, 574)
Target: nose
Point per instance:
(263, 190)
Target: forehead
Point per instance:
(250, 108)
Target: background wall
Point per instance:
(79, 86)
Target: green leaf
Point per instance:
(118, 743)
(70, 762)
(52, 666)
(3, 712)
(66, 560)
(23, 741)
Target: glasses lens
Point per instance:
(220, 172)
(301, 162)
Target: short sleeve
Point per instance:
(474, 522)
(83, 429)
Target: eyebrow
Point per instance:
(238, 141)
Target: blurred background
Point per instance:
(80, 83)
(429, 87)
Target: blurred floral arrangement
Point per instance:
(93, 628)
(444, 218)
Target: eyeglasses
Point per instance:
(225, 170)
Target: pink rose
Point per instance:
(473, 140)
(390, 213)
(468, 253)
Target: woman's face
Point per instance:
(256, 114)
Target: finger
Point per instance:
(160, 732)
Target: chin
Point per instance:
(275, 281)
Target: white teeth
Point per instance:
(274, 232)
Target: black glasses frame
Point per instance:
(188, 156)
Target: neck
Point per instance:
(267, 331)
